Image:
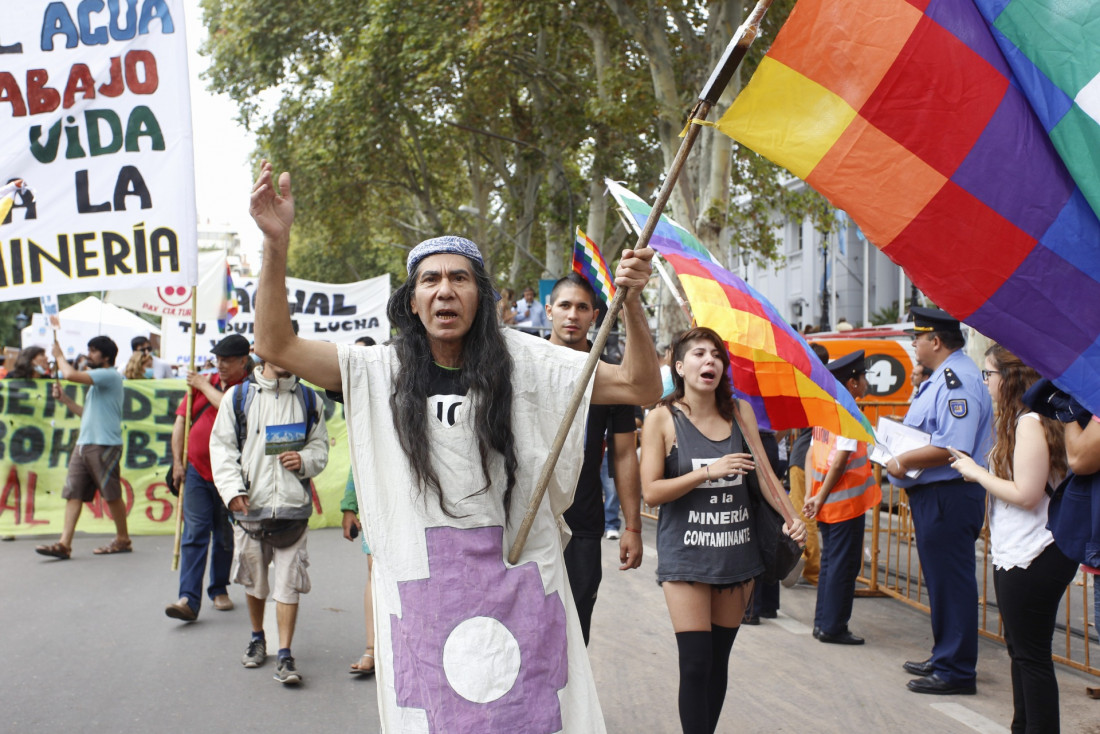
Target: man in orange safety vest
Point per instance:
(842, 489)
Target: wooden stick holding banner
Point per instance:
(713, 89)
(186, 436)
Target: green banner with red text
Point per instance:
(38, 435)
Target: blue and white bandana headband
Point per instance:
(447, 244)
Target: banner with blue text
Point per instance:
(96, 114)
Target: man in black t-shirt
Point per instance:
(571, 313)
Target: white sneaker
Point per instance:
(612, 535)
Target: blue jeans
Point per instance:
(610, 498)
(201, 513)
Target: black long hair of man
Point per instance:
(486, 375)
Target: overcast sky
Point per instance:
(222, 176)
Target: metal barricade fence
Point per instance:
(891, 568)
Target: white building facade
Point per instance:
(224, 237)
(839, 271)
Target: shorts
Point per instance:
(93, 467)
(251, 559)
(716, 587)
(366, 548)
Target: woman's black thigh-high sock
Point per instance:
(721, 643)
(695, 671)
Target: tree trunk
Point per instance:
(650, 35)
(556, 235)
(715, 149)
(596, 226)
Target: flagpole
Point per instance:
(712, 90)
(186, 436)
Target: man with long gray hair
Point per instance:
(449, 425)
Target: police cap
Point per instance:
(849, 366)
(927, 320)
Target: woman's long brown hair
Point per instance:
(723, 394)
(1016, 378)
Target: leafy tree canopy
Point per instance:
(495, 119)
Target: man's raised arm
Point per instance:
(637, 381)
(313, 361)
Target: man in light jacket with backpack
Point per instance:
(268, 440)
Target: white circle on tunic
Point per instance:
(481, 659)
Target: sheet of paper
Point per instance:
(51, 309)
(893, 438)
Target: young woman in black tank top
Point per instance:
(706, 554)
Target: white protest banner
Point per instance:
(96, 114)
(339, 313)
(174, 301)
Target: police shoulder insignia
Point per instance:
(951, 379)
(957, 407)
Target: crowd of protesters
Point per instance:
(699, 448)
(1028, 456)
(1028, 564)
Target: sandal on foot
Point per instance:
(115, 546)
(360, 667)
(57, 550)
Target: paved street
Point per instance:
(87, 648)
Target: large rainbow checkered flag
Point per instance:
(667, 232)
(1054, 51)
(588, 261)
(906, 114)
(772, 366)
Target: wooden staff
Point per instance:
(713, 89)
(186, 437)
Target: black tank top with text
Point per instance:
(707, 534)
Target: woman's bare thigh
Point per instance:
(694, 607)
(688, 605)
(727, 606)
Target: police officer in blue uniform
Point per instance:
(954, 407)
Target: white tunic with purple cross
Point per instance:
(466, 642)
